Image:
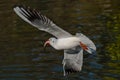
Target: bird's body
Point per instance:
(73, 46)
(66, 43)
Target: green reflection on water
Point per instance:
(114, 27)
(21, 45)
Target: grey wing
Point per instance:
(73, 60)
(39, 21)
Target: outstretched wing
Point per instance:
(40, 21)
(73, 60)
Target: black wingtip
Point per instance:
(68, 71)
(71, 67)
(31, 14)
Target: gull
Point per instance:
(73, 45)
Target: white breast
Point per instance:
(67, 43)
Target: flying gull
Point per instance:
(73, 45)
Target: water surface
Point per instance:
(22, 56)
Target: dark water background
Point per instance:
(21, 46)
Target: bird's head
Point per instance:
(50, 41)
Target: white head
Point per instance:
(51, 41)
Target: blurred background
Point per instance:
(22, 56)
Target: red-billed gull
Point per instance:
(73, 46)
